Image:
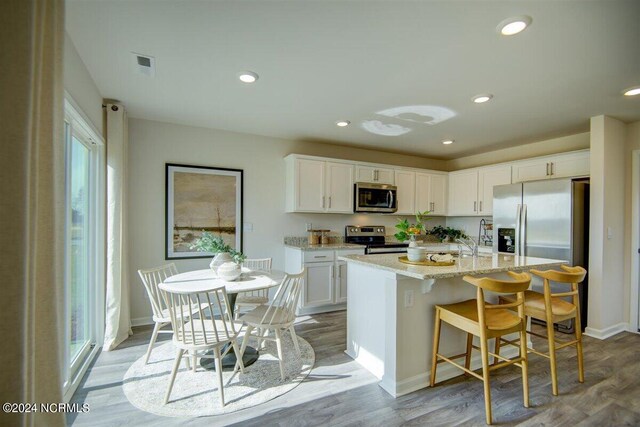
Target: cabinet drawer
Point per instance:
(345, 252)
(318, 256)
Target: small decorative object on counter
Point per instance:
(224, 253)
(447, 233)
(416, 253)
(317, 236)
(324, 238)
(407, 231)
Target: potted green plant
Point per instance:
(408, 231)
(446, 233)
(207, 242)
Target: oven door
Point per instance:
(375, 198)
(386, 249)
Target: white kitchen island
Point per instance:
(390, 313)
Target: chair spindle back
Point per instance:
(151, 278)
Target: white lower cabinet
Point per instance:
(325, 280)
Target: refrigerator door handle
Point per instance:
(517, 236)
(523, 230)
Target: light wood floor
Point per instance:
(339, 392)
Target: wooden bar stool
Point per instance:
(552, 309)
(486, 321)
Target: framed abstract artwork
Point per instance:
(197, 199)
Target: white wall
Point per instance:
(152, 144)
(606, 251)
(79, 84)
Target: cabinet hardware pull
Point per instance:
(329, 202)
(551, 168)
(322, 202)
(319, 256)
(480, 205)
(474, 206)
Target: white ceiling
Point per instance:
(322, 61)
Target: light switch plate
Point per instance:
(408, 298)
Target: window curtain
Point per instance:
(118, 316)
(32, 209)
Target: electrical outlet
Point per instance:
(309, 226)
(408, 298)
(247, 226)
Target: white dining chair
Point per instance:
(278, 316)
(252, 299)
(151, 278)
(202, 331)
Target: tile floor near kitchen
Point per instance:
(339, 392)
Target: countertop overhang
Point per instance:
(482, 264)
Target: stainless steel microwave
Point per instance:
(370, 197)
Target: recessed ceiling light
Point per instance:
(343, 123)
(248, 77)
(514, 25)
(632, 91)
(447, 141)
(479, 99)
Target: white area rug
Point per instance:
(196, 394)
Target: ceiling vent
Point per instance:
(145, 65)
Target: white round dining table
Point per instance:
(202, 280)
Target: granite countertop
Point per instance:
(483, 264)
(304, 246)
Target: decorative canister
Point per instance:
(229, 271)
(416, 253)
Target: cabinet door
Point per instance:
(373, 174)
(567, 165)
(309, 186)
(385, 176)
(530, 170)
(341, 282)
(318, 284)
(339, 187)
(438, 194)
(406, 183)
(365, 174)
(463, 193)
(423, 189)
(487, 179)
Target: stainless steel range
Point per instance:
(372, 237)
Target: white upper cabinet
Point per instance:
(319, 186)
(310, 184)
(431, 193)
(558, 166)
(438, 194)
(487, 179)
(463, 193)
(572, 164)
(406, 183)
(471, 191)
(374, 174)
(339, 187)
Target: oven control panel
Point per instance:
(368, 230)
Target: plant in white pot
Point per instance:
(408, 231)
(225, 255)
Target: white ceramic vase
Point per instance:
(218, 260)
(229, 271)
(416, 253)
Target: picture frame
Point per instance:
(197, 199)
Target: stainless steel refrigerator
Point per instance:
(545, 219)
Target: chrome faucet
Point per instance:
(473, 247)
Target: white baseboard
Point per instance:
(445, 371)
(603, 334)
(142, 321)
(320, 309)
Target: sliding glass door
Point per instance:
(79, 233)
(84, 253)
